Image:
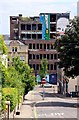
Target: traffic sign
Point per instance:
(43, 81)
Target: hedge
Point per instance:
(10, 94)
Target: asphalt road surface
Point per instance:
(51, 106)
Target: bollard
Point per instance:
(8, 109)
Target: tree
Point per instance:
(25, 71)
(68, 48)
(44, 68)
(3, 47)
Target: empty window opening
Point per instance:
(33, 56)
(29, 36)
(30, 56)
(44, 46)
(39, 36)
(22, 26)
(33, 26)
(52, 35)
(33, 36)
(34, 66)
(51, 56)
(53, 18)
(55, 56)
(39, 26)
(37, 56)
(47, 46)
(37, 66)
(52, 27)
(51, 66)
(51, 46)
(30, 46)
(44, 55)
(14, 19)
(37, 46)
(40, 46)
(30, 65)
(40, 56)
(28, 27)
(22, 36)
(55, 67)
(48, 56)
(33, 46)
(48, 66)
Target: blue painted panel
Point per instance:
(38, 78)
(53, 79)
(42, 19)
(47, 78)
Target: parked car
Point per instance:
(47, 85)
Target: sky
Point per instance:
(33, 8)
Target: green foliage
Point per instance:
(44, 68)
(68, 48)
(3, 47)
(25, 71)
(10, 94)
(17, 80)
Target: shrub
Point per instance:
(10, 94)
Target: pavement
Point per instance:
(26, 109)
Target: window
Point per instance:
(37, 56)
(51, 66)
(33, 56)
(33, 46)
(33, 26)
(55, 56)
(34, 66)
(12, 49)
(22, 58)
(40, 56)
(44, 55)
(28, 27)
(30, 46)
(44, 46)
(39, 36)
(55, 66)
(37, 46)
(51, 56)
(48, 66)
(30, 56)
(22, 26)
(51, 47)
(47, 56)
(33, 36)
(47, 46)
(40, 46)
(37, 67)
(39, 26)
(15, 49)
(29, 36)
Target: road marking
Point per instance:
(35, 113)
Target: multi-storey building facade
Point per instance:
(39, 33)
